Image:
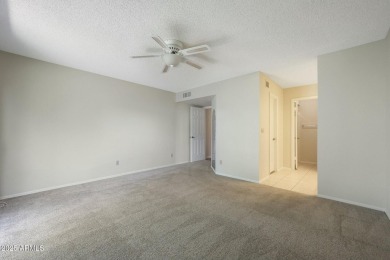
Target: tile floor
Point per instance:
(303, 180)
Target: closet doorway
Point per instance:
(304, 132)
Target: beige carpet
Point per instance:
(187, 212)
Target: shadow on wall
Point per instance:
(6, 28)
(5, 20)
(12, 41)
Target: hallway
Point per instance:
(303, 180)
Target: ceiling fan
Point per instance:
(173, 53)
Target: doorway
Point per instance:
(304, 132)
(201, 133)
(202, 129)
(302, 177)
(197, 134)
(209, 131)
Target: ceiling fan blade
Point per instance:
(195, 50)
(145, 56)
(166, 68)
(193, 64)
(160, 42)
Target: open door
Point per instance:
(197, 134)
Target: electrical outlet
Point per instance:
(117, 162)
(220, 161)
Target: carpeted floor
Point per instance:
(187, 212)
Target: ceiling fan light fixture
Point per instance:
(172, 59)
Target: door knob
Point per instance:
(192, 136)
(273, 139)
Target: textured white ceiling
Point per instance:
(281, 38)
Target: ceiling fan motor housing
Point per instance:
(174, 46)
(172, 57)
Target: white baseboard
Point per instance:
(174, 164)
(86, 181)
(235, 177)
(351, 202)
(285, 168)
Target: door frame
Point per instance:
(276, 132)
(191, 134)
(293, 129)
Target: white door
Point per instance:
(273, 133)
(213, 149)
(197, 134)
(295, 134)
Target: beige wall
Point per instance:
(208, 131)
(289, 94)
(264, 125)
(60, 126)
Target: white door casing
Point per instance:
(197, 134)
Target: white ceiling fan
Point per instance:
(173, 53)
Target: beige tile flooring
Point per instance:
(303, 180)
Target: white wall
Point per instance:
(352, 114)
(237, 125)
(60, 125)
